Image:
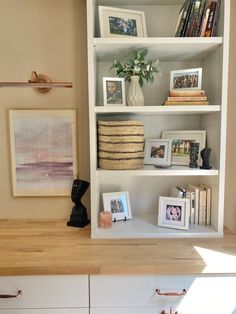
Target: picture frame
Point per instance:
(173, 212)
(43, 151)
(117, 22)
(181, 141)
(186, 79)
(158, 152)
(118, 204)
(114, 91)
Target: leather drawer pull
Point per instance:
(8, 296)
(172, 294)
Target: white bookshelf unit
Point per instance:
(175, 53)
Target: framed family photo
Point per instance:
(181, 141)
(173, 213)
(118, 204)
(186, 79)
(43, 151)
(158, 152)
(116, 22)
(114, 91)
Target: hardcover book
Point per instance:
(186, 93)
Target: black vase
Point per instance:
(78, 217)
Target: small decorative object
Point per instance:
(78, 217)
(193, 154)
(135, 69)
(173, 212)
(117, 22)
(181, 141)
(105, 219)
(186, 79)
(205, 154)
(114, 91)
(118, 204)
(120, 145)
(158, 152)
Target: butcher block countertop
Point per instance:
(37, 247)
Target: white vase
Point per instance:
(135, 93)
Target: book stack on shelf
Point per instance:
(200, 202)
(186, 98)
(198, 18)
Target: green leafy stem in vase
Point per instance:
(138, 64)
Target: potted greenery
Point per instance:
(136, 68)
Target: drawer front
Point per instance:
(130, 310)
(46, 311)
(203, 292)
(45, 291)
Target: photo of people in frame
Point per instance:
(185, 80)
(117, 206)
(181, 147)
(157, 151)
(114, 92)
(123, 26)
(173, 213)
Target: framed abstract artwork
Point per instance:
(43, 151)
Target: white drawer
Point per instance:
(203, 292)
(129, 310)
(45, 291)
(46, 311)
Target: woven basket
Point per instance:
(120, 145)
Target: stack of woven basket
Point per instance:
(120, 144)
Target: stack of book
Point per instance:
(186, 98)
(198, 18)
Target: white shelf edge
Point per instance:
(159, 109)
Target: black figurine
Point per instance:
(78, 217)
(193, 154)
(205, 154)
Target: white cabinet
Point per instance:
(147, 184)
(44, 294)
(185, 294)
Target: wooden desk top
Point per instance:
(32, 247)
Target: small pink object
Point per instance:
(105, 219)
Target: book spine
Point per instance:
(205, 18)
(208, 206)
(193, 19)
(216, 18)
(210, 21)
(202, 207)
(200, 18)
(184, 93)
(192, 207)
(182, 17)
(185, 103)
(189, 9)
(196, 212)
(187, 98)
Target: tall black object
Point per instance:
(205, 154)
(78, 217)
(193, 154)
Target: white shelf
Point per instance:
(150, 170)
(163, 48)
(145, 226)
(158, 109)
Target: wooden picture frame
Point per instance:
(186, 79)
(116, 22)
(181, 141)
(173, 212)
(158, 152)
(43, 151)
(114, 91)
(119, 204)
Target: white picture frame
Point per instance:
(186, 79)
(117, 22)
(158, 152)
(118, 204)
(181, 141)
(173, 212)
(114, 91)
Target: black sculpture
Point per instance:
(78, 217)
(193, 154)
(205, 154)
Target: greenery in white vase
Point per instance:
(138, 64)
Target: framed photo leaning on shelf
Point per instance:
(186, 79)
(181, 141)
(118, 203)
(158, 152)
(113, 91)
(173, 212)
(116, 22)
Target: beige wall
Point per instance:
(230, 192)
(48, 36)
